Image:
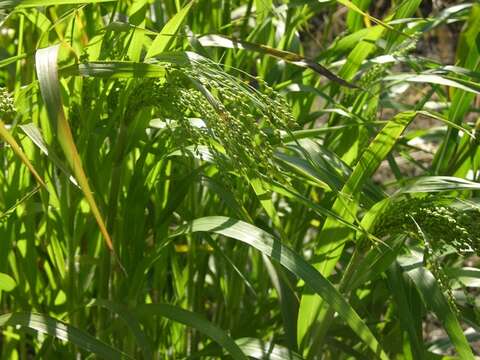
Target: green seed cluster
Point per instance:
(440, 224)
(375, 73)
(241, 124)
(446, 225)
(6, 103)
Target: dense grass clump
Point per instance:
(263, 179)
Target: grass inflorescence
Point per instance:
(239, 179)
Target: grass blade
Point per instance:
(287, 56)
(259, 349)
(268, 245)
(131, 321)
(47, 73)
(114, 69)
(35, 3)
(350, 5)
(19, 4)
(47, 325)
(5, 134)
(468, 56)
(35, 135)
(436, 301)
(333, 234)
(195, 321)
(429, 184)
(408, 320)
(164, 39)
(436, 80)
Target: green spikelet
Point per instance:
(446, 225)
(210, 107)
(6, 103)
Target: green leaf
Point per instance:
(333, 235)
(114, 69)
(62, 331)
(164, 39)
(131, 321)
(195, 321)
(12, 59)
(429, 184)
(354, 18)
(435, 300)
(290, 193)
(35, 135)
(409, 320)
(262, 9)
(5, 134)
(351, 6)
(469, 276)
(287, 56)
(7, 283)
(47, 74)
(436, 80)
(270, 246)
(360, 52)
(262, 350)
(265, 198)
(468, 56)
(316, 175)
(229, 261)
(35, 3)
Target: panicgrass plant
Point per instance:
(263, 179)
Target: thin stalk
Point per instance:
(106, 260)
(18, 69)
(327, 313)
(244, 30)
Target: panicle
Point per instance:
(6, 103)
(440, 224)
(239, 124)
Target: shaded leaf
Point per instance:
(290, 57)
(164, 39)
(268, 245)
(7, 283)
(62, 331)
(47, 73)
(195, 321)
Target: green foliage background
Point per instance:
(265, 179)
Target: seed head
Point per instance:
(445, 225)
(6, 103)
(241, 124)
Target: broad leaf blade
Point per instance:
(262, 350)
(5, 134)
(436, 301)
(195, 321)
(268, 245)
(165, 38)
(62, 331)
(47, 73)
(333, 235)
(287, 56)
